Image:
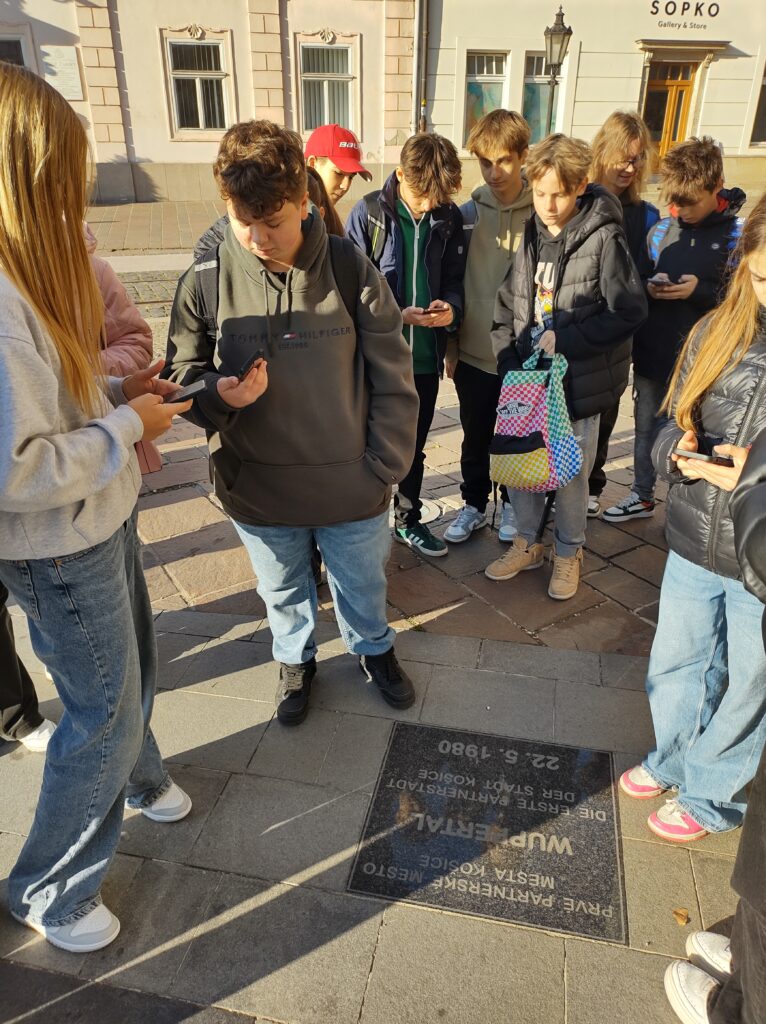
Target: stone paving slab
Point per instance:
(43, 997)
(608, 983)
(433, 967)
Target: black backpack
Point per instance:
(343, 258)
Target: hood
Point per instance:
(730, 202)
(597, 207)
(482, 196)
(299, 278)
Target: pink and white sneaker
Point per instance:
(639, 784)
(673, 823)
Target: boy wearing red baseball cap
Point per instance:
(336, 154)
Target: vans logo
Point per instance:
(515, 407)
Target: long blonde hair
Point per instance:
(610, 144)
(719, 341)
(43, 194)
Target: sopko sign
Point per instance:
(685, 9)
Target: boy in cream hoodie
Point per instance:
(493, 220)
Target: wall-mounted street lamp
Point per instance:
(557, 38)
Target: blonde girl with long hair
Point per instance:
(707, 671)
(622, 151)
(69, 554)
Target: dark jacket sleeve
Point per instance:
(625, 306)
(503, 334)
(356, 227)
(748, 509)
(667, 440)
(212, 237)
(453, 268)
(190, 357)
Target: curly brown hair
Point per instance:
(431, 166)
(689, 168)
(260, 167)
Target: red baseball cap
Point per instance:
(340, 145)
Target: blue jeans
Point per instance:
(90, 621)
(707, 691)
(571, 501)
(355, 556)
(647, 399)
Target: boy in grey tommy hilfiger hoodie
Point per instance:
(316, 456)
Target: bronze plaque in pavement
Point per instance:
(516, 830)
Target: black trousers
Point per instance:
(19, 714)
(407, 503)
(742, 998)
(597, 478)
(478, 393)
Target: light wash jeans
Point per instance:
(571, 501)
(355, 556)
(90, 621)
(647, 399)
(707, 691)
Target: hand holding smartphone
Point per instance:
(716, 460)
(185, 393)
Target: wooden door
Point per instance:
(668, 98)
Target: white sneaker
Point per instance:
(37, 740)
(594, 506)
(467, 520)
(631, 507)
(710, 952)
(688, 990)
(508, 528)
(171, 806)
(85, 935)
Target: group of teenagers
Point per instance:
(317, 355)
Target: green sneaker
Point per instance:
(420, 538)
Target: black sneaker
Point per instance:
(293, 692)
(394, 684)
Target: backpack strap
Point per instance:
(736, 233)
(345, 270)
(661, 228)
(206, 269)
(376, 226)
(470, 215)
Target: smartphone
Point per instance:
(717, 460)
(184, 393)
(250, 363)
(661, 282)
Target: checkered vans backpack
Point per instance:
(534, 448)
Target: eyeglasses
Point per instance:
(634, 161)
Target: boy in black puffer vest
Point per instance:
(689, 252)
(574, 289)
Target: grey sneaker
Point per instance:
(95, 930)
(467, 520)
(508, 528)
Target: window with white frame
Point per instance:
(327, 79)
(12, 50)
(485, 75)
(759, 125)
(536, 93)
(197, 79)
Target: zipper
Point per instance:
(723, 496)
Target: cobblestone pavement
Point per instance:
(241, 913)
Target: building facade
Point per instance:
(157, 82)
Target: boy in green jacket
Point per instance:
(315, 457)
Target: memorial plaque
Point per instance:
(515, 830)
